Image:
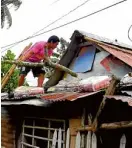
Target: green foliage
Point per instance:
(13, 81)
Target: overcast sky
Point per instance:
(34, 15)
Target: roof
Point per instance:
(47, 99)
(66, 96)
(34, 102)
(106, 40)
(119, 50)
(126, 57)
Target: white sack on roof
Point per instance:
(26, 91)
(94, 83)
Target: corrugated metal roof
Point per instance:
(122, 98)
(34, 102)
(69, 96)
(122, 55)
(106, 40)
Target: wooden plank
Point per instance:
(110, 91)
(59, 138)
(43, 128)
(68, 138)
(48, 134)
(89, 138)
(29, 145)
(54, 139)
(123, 141)
(78, 140)
(94, 141)
(82, 140)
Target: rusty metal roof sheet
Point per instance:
(105, 40)
(122, 98)
(66, 96)
(120, 54)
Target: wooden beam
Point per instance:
(108, 126)
(53, 65)
(116, 125)
(102, 43)
(110, 91)
(84, 44)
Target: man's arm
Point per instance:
(27, 55)
(46, 57)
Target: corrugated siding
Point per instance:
(123, 56)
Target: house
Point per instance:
(64, 117)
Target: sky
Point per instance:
(34, 15)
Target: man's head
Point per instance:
(53, 42)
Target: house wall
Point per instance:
(7, 130)
(117, 67)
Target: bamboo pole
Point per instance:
(108, 126)
(53, 65)
(110, 91)
(11, 70)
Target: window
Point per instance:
(38, 133)
(85, 59)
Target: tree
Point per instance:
(5, 12)
(13, 81)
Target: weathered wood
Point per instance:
(53, 65)
(78, 140)
(68, 138)
(116, 125)
(82, 140)
(108, 126)
(123, 141)
(94, 141)
(54, 139)
(86, 128)
(99, 43)
(11, 70)
(59, 138)
(89, 139)
(110, 91)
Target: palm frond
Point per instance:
(2, 17)
(8, 16)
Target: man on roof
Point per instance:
(39, 51)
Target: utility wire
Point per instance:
(54, 2)
(66, 23)
(129, 33)
(62, 16)
(51, 22)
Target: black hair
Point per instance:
(53, 39)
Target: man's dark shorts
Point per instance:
(35, 70)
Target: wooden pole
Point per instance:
(116, 125)
(108, 126)
(53, 65)
(11, 70)
(110, 91)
